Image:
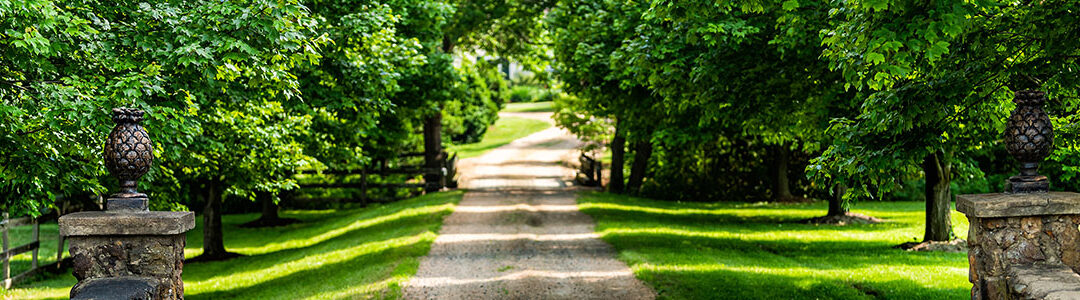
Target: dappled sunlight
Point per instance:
(548, 183)
(878, 272)
(354, 291)
(248, 278)
(781, 232)
(482, 237)
(521, 244)
(367, 250)
(434, 282)
(359, 222)
(503, 132)
(50, 289)
(760, 251)
(515, 207)
(751, 220)
(356, 253)
(355, 225)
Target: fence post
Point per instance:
(59, 249)
(7, 260)
(432, 152)
(599, 173)
(363, 187)
(35, 236)
(60, 236)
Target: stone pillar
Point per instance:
(127, 251)
(1024, 244)
(1011, 233)
(127, 255)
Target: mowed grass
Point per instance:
(545, 106)
(333, 254)
(759, 251)
(504, 131)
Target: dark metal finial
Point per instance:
(128, 155)
(1029, 137)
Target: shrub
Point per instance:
(476, 104)
(523, 93)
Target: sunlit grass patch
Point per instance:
(356, 253)
(505, 130)
(760, 251)
(544, 106)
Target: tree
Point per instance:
(233, 64)
(934, 81)
(62, 68)
(211, 75)
(587, 34)
(742, 72)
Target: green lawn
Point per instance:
(505, 130)
(546, 106)
(47, 249)
(757, 251)
(357, 253)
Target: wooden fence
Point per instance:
(33, 247)
(590, 171)
(444, 175)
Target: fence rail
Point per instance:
(443, 178)
(8, 252)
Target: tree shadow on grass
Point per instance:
(336, 254)
(751, 251)
(47, 281)
(312, 224)
(335, 278)
(729, 284)
(380, 231)
(836, 254)
(638, 213)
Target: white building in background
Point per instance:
(512, 71)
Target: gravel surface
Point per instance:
(517, 233)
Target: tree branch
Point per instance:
(31, 132)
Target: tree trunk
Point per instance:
(781, 184)
(269, 208)
(836, 203)
(618, 152)
(270, 217)
(213, 241)
(433, 151)
(447, 44)
(642, 153)
(938, 171)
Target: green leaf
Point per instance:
(875, 58)
(790, 5)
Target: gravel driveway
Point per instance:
(517, 233)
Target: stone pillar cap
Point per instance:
(97, 223)
(999, 205)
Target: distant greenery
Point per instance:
(529, 93)
(803, 99)
(241, 95)
(357, 253)
(759, 251)
(504, 131)
(546, 106)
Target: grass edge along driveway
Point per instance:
(504, 131)
(759, 251)
(351, 253)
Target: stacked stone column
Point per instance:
(1023, 244)
(127, 251)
